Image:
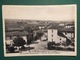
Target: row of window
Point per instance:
(52, 35)
(60, 39)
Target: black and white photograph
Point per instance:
(40, 30)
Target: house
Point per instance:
(59, 35)
(68, 32)
(69, 25)
(53, 34)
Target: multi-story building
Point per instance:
(55, 36)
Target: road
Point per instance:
(40, 45)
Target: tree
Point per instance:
(29, 38)
(30, 35)
(19, 41)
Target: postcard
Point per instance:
(40, 30)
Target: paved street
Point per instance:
(39, 45)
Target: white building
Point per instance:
(53, 35)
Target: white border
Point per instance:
(62, 54)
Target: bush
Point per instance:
(50, 45)
(19, 41)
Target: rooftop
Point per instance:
(69, 30)
(53, 26)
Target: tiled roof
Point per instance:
(54, 26)
(67, 30)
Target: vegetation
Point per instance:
(19, 41)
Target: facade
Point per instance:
(65, 33)
(54, 37)
(53, 34)
(69, 35)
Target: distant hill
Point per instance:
(19, 23)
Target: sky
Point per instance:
(40, 12)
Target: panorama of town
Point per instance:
(25, 36)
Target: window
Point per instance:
(52, 35)
(52, 31)
(60, 38)
(52, 39)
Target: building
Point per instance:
(53, 34)
(60, 35)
